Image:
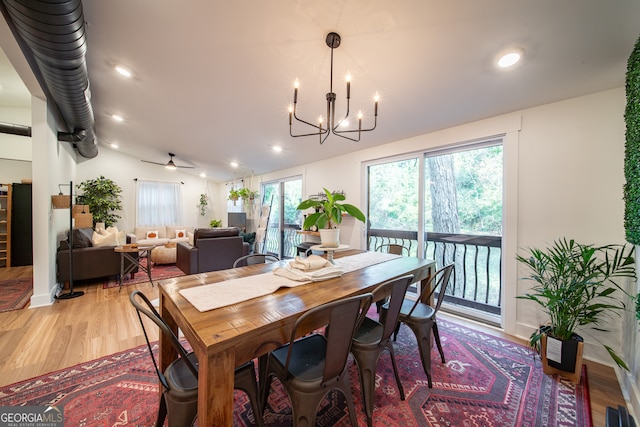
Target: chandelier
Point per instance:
(333, 41)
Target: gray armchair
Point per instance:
(213, 249)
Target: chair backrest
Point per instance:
(393, 248)
(345, 315)
(144, 307)
(395, 289)
(255, 259)
(438, 283)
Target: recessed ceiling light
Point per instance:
(509, 58)
(117, 118)
(203, 175)
(277, 148)
(123, 71)
(114, 145)
(234, 164)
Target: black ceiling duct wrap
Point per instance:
(52, 37)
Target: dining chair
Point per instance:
(315, 364)
(179, 399)
(390, 248)
(373, 337)
(393, 248)
(252, 259)
(421, 317)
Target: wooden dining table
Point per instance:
(227, 337)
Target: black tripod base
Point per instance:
(70, 295)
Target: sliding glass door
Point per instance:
(282, 196)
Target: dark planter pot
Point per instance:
(570, 365)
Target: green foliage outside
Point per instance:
(393, 197)
(103, 197)
(292, 197)
(632, 149)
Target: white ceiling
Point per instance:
(213, 80)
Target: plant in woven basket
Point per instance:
(103, 197)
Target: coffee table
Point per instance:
(126, 253)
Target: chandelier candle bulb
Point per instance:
(348, 86)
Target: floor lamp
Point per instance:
(71, 293)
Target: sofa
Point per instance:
(89, 261)
(212, 249)
(160, 235)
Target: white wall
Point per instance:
(123, 169)
(564, 177)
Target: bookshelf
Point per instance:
(5, 225)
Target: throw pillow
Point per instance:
(82, 238)
(190, 236)
(104, 240)
(250, 238)
(181, 233)
(152, 234)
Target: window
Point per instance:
(158, 203)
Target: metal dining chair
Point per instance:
(421, 317)
(393, 248)
(252, 259)
(315, 364)
(390, 248)
(179, 399)
(373, 337)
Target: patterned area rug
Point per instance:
(158, 272)
(486, 382)
(15, 293)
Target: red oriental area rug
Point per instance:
(486, 382)
(15, 293)
(158, 272)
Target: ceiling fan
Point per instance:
(169, 165)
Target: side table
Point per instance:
(125, 253)
(329, 250)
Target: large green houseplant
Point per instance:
(575, 286)
(328, 213)
(103, 197)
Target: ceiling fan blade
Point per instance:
(186, 167)
(155, 163)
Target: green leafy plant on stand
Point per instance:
(215, 223)
(328, 210)
(102, 195)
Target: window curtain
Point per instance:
(158, 203)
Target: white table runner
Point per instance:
(229, 292)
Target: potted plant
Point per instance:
(328, 215)
(575, 287)
(247, 195)
(102, 195)
(204, 201)
(215, 223)
(234, 195)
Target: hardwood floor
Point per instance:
(101, 322)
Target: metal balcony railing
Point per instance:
(476, 281)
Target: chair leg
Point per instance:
(162, 411)
(366, 362)
(395, 370)
(245, 380)
(436, 335)
(423, 337)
